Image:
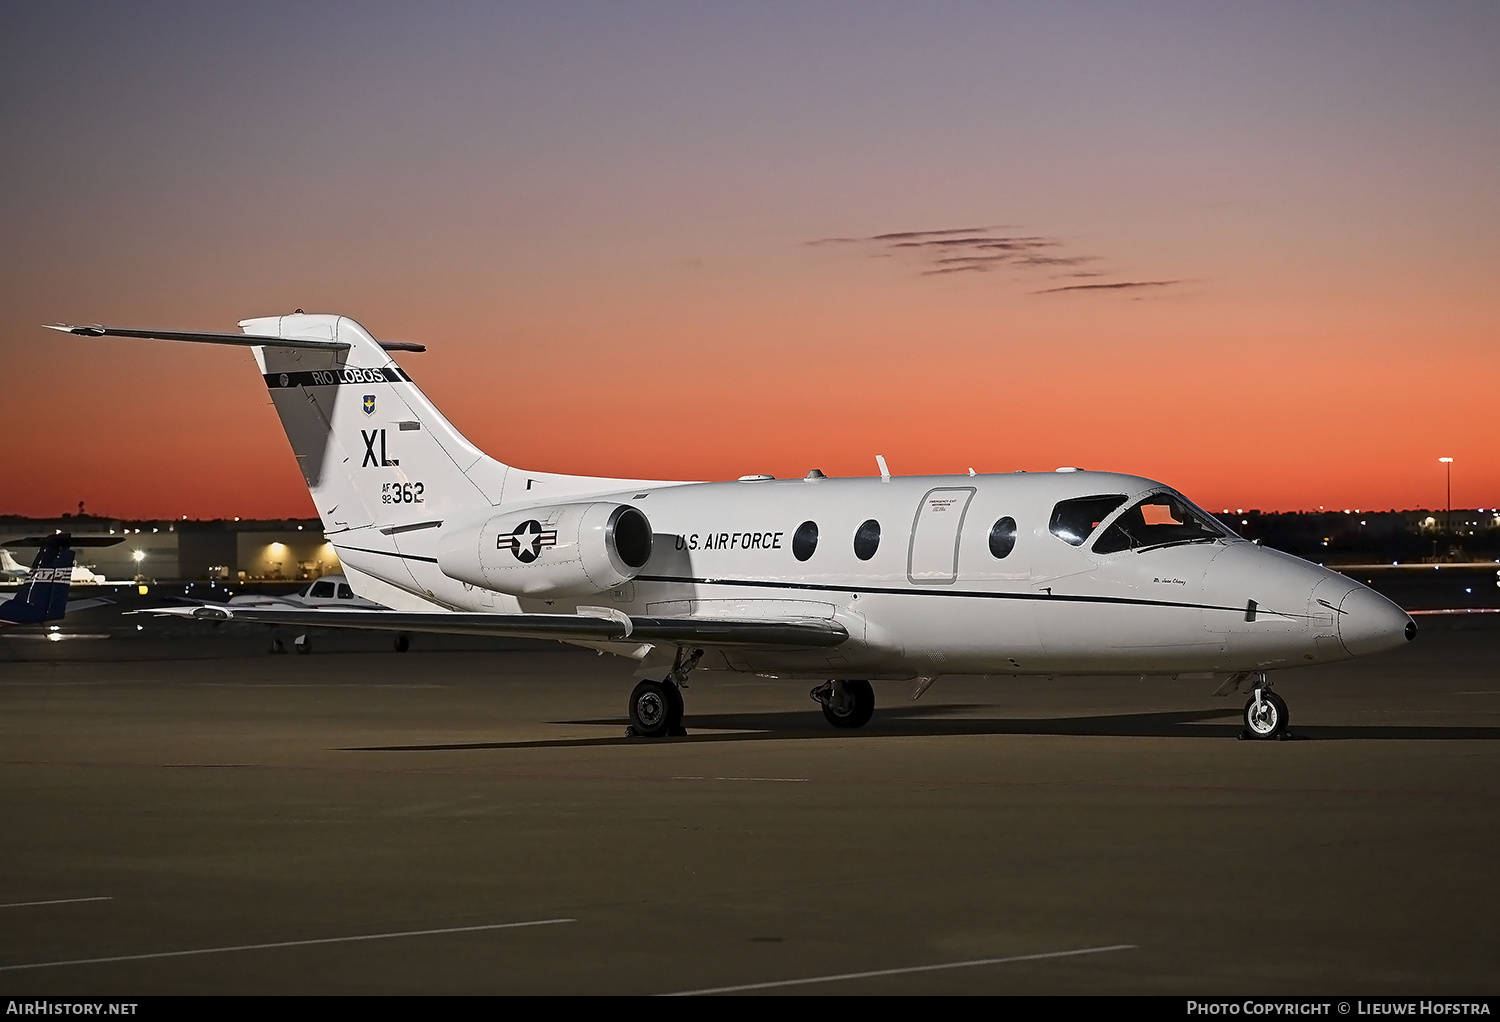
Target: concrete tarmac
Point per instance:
(195, 816)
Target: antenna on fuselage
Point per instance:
(885, 473)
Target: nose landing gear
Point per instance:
(1266, 714)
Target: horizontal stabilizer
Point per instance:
(243, 340)
(798, 633)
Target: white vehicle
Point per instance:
(836, 580)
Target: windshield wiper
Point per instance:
(1178, 542)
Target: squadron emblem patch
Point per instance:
(369, 404)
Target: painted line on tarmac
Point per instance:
(782, 780)
(902, 972)
(58, 901)
(286, 943)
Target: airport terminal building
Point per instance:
(222, 549)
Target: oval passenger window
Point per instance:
(805, 540)
(867, 540)
(1003, 537)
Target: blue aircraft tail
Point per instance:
(44, 594)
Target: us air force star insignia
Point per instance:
(369, 404)
(527, 540)
(284, 380)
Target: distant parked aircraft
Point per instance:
(43, 596)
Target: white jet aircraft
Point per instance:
(835, 580)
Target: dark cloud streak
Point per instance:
(981, 249)
(1123, 285)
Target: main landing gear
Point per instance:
(846, 703)
(656, 707)
(1266, 714)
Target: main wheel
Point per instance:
(651, 708)
(302, 644)
(855, 708)
(402, 643)
(1268, 720)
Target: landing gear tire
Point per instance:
(302, 644)
(277, 646)
(676, 730)
(853, 707)
(1269, 719)
(402, 643)
(655, 709)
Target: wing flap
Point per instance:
(799, 633)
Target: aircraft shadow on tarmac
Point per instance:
(928, 722)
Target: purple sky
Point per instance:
(1297, 207)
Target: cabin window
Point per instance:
(867, 540)
(322, 590)
(805, 540)
(345, 593)
(1160, 520)
(1073, 521)
(1003, 537)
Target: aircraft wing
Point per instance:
(697, 631)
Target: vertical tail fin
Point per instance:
(44, 595)
(372, 449)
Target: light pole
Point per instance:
(1448, 515)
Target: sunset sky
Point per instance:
(1252, 250)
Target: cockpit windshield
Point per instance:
(1073, 521)
(1162, 519)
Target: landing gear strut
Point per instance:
(656, 707)
(1266, 714)
(846, 703)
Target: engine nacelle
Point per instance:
(550, 552)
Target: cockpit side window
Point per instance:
(322, 590)
(1073, 521)
(1161, 519)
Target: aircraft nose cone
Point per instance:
(1369, 623)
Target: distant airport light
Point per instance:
(138, 556)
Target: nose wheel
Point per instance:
(1266, 715)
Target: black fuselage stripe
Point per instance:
(387, 553)
(964, 593)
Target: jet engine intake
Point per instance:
(550, 552)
